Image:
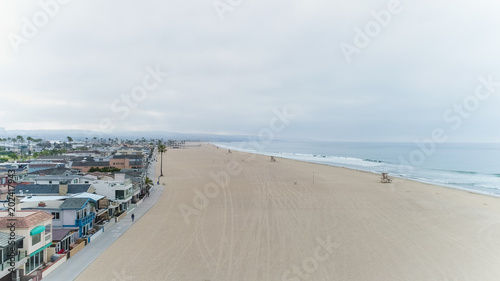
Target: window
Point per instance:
(120, 194)
(47, 229)
(85, 229)
(50, 182)
(36, 238)
(34, 262)
(56, 215)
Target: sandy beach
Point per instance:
(238, 217)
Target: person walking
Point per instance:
(133, 217)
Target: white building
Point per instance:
(120, 191)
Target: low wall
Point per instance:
(54, 265)
(117, 219)
(81, 244)
(139, 202)
(95, 235)
(51, 251)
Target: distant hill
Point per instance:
(79, 135)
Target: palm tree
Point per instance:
(161, 149)
(19, 140)
(70, 139)
(148, 181)
(29, 139)
(13, 141)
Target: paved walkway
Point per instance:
(77, 263)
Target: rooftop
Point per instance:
(59, 234)
(4, 239)
(23, 219)
(55, 177)
(42, 198)
(74, 203)
(50, 188)
(44, 165)
(49, 204)
(91, 164)
(60, 157)
(52, 171)
(127, 156)
(92, 196)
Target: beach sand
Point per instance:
(271, 222)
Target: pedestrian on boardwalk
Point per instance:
(133, 217)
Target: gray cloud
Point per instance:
(227, 76)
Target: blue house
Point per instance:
(70, 213)
(76, 213)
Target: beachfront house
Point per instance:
(72, 213)
(138, 179)
(77, 213)
(99, 205)
(63, 238)
(120, 191)
(36, 228)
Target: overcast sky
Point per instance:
(233, 63)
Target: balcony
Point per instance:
(18, 258)
(135, 191)
(86, 220)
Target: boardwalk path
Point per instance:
(77, 264)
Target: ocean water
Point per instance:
(473, 167)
